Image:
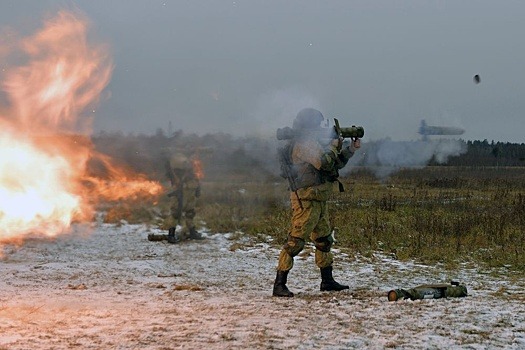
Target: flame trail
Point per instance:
(44, 150)
(197, 167)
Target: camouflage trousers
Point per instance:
(309, 220)
(183, 211)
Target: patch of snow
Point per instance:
(115, 289)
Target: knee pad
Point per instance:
(294, 245)
(324, 243)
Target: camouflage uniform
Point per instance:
(317, 168)
(185, 191)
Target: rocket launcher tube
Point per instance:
(429, 291)
(354, 132)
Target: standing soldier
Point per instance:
(313, 171)
(185, 191)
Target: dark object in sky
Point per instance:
(477, 79)
(427, 130)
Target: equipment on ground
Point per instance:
(175, 236)
(156, 237)
(429, 291)
(171, 237)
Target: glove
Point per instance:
(356, 144)
(349, 148)
(352, 145)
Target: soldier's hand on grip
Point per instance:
(356, 144)
(352, 145)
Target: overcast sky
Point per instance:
(246, 67)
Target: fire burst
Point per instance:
(197, 167)
(44, 185)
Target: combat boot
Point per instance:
(279, 287)
(328, 283)
(173, 237)
(194, 234)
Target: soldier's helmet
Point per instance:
(308, 118)
(180, 161)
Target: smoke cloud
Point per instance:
(384, 157)
(278, 108)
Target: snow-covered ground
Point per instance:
(113, 289)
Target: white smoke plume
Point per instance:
(385, 157)
(278, 108)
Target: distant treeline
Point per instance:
(484, 153)
(220, 153)
(223, 154)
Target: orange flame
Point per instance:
(119, 183)
(65, 75)
(44, 183)
(197, 168)
(34, 196)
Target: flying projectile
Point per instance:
(477, 79)
(428, 130)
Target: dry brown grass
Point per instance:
(434, 214)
